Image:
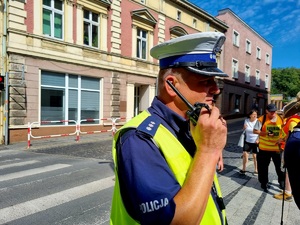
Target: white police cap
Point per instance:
(195, 52)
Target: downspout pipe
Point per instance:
(4, 67)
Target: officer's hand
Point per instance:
(210, 133)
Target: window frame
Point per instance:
(236, 38)
(258, 53)
(139, 44)
(53, 12)
(235, 69)
(257, 78)
(267, 81)
(91, 23)
(194, 23)
(81, 87)
(179, 15)
(247, 73)
(267, 59)
(248, 46)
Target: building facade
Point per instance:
(247, 61)
(70, 62)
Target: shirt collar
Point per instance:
(175, 121)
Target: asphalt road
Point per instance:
(60, 181)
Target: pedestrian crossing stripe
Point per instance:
(28, 208)
(31, 172)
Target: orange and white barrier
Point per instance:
(29, 133)
(113, 126)
(77, 125)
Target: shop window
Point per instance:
(69, 97)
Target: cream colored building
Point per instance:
(85, 61)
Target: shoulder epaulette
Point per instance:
(149, 125)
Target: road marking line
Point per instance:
(40, 204)
(19, 164)
(30, 172)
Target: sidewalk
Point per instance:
(246, 203)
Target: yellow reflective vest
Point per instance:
(178, 160)
(269, 143)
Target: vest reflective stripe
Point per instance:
(267, 143)
(178, 160)
(293, 119)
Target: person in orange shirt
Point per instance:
(288, 127)
(292, 151)
(268, 127)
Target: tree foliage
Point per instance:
(285, 81)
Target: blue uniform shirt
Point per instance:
(148, 185)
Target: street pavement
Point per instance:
(246, 203)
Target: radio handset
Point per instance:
(194, 110)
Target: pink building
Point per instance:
(247, 61)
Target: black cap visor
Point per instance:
(207, 71)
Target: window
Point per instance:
(194, 23)
(267, 59)
(53, 18)
(236, 38)
(143, 23)
(267, 81)
(247, 73)
(90, 28)
(141, 48)
(257, 78)
(237, 102)
(178, 15)
(69, 97)
(235, 69)
(248, 46)
(136, 100)
(258, 53)
(207, 26)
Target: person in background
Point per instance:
(165, 158)
(251, 141)
(288, 127)
(268, 127)
(292, 149)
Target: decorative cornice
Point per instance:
(178, 31)
(144, 16)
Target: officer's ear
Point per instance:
(170, 81)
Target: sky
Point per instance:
(278, 21)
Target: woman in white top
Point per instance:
(251, 141)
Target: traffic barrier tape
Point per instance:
(77, 132)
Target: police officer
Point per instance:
(165, 158)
